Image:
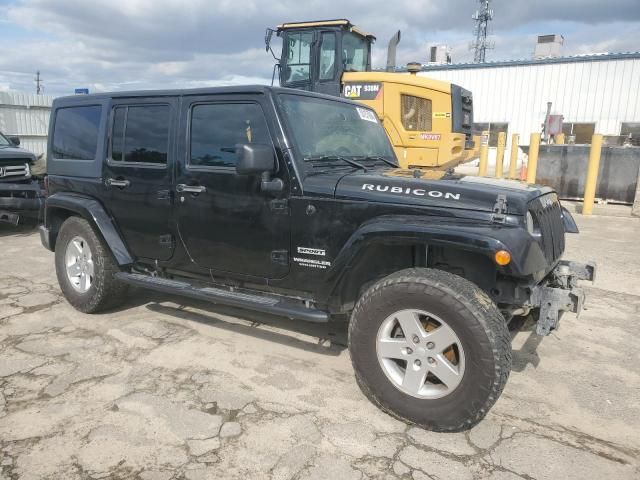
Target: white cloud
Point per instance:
(123, 44)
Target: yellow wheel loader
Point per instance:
(428, 121)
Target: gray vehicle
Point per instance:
(20, 191)
(292, 203)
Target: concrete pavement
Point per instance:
(166, 388)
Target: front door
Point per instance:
(138, 174)
(226, 222)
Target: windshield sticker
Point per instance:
(418, 192)
(367, 115)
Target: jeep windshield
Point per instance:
(327, 132)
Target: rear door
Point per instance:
(138, 173)
(226, 222)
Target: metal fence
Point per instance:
(26, 116)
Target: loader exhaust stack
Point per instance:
(391, 52)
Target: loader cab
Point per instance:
(316, 54)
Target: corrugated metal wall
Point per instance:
(27, 116)
(605, 92)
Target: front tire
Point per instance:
(85, 268)
(430, 348)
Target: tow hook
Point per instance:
(560, 293)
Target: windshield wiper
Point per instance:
(377, 157)
(353, 163)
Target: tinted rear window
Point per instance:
(75, 132)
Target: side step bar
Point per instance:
(220, 296)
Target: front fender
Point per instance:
(485, 239)
(92, 211)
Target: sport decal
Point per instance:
(311, 251)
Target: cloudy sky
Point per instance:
(132, 44)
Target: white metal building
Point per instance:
(594, 93)
(26, 116)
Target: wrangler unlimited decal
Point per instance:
(419, 192)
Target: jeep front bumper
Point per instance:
(20, 200)
(559, 293)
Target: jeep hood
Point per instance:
(15, 155)
(436, 189)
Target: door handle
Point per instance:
(112, 182)
(182, 188)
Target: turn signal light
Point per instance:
(502, 257)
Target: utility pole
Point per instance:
(39, 86)
(481, 30)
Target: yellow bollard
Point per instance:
(592, 174)
(513, 161)
(532, 165)
(484, 154)
(559, 139)
(502, 140)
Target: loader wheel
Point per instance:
(430, 348)
(85, 268)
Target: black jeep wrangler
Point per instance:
(20, 191)
(292, 203)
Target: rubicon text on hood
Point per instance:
(419, 192)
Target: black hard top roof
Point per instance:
(227, 90)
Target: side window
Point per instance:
(327, 56)
(494, 128)
(75, 132)
(416, 113)
(632, 132)
(217, 128)
(298, 56)
(140, 134)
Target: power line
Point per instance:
(480, 45)
(39, 85)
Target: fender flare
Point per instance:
(92, 211)
(483, 239)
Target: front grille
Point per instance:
(416, 113)
(14, 172)
(547, 215)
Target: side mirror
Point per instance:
(255, 159)
(258, 159)
(15, 141)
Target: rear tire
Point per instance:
(85, 268)
(445, 382)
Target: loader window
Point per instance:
(327, 56)
(416, 113)
(355, 52)
(298, 56)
